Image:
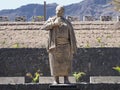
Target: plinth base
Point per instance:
(63, 87)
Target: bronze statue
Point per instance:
(61, 45)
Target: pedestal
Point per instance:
(105, 79)
(63, 87)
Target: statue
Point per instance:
(61, 45)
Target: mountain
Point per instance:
(95, 8)
(29, 11)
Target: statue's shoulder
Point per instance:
(52, 18)
(67, 21)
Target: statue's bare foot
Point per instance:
(66, 80)
(56, 80)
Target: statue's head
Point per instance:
(60, 10)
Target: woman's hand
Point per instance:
(57, 21)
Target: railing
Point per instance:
(71, 18)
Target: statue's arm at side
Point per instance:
(73, 39)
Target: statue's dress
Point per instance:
(61, 45)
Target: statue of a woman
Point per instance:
(61, 45)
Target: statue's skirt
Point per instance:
(60, 60)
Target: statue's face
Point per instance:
(59, 11)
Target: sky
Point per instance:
(13, 4)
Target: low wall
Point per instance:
(88, 34)
(92, 61)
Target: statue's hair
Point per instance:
(60, 7)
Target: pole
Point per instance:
(44, 10)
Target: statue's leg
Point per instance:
(56, 80)
(66, 80)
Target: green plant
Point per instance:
(40, 17)
(37, 18)
(99, 40)
(117, 68)
(3, 42)
(16, 45)
(109, 36)
(102, 46)
(35, 78)
(87, 45)
(78, 75)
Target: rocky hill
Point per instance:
(93, 8)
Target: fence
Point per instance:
(71, 18)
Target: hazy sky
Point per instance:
(12, 4)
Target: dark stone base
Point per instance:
(63, 87)
(99, 86)
(86, 60)
(87, 86)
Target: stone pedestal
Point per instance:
(49, 80)
(63, 87)
(12, 80)
(105, 79)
